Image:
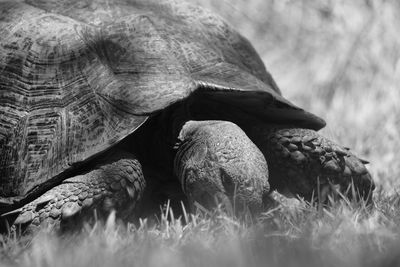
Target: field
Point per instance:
(340, 60)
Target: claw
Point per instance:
(11, 213)
(340, 151)
(332, 166)
(131, 191)
(355, 165)
(25, 217)
(346, 171)
(70, 209)
(108, 204)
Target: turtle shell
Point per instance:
(76, 77)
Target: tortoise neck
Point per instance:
(157, 139)
(172, 121)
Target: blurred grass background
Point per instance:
(338, 59)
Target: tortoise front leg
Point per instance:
(116, 184)
(304, 163)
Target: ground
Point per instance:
(338, 59)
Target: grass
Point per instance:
(338, 59)
(294, 234)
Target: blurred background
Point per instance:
(338, 59)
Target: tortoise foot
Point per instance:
(116, 185)
(306, 164)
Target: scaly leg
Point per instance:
(116, 184)
(304, 163)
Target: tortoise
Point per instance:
(102, 100)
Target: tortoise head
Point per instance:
(217, 163)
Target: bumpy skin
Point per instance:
(117, 183)
(216, 161)
(306, 164)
